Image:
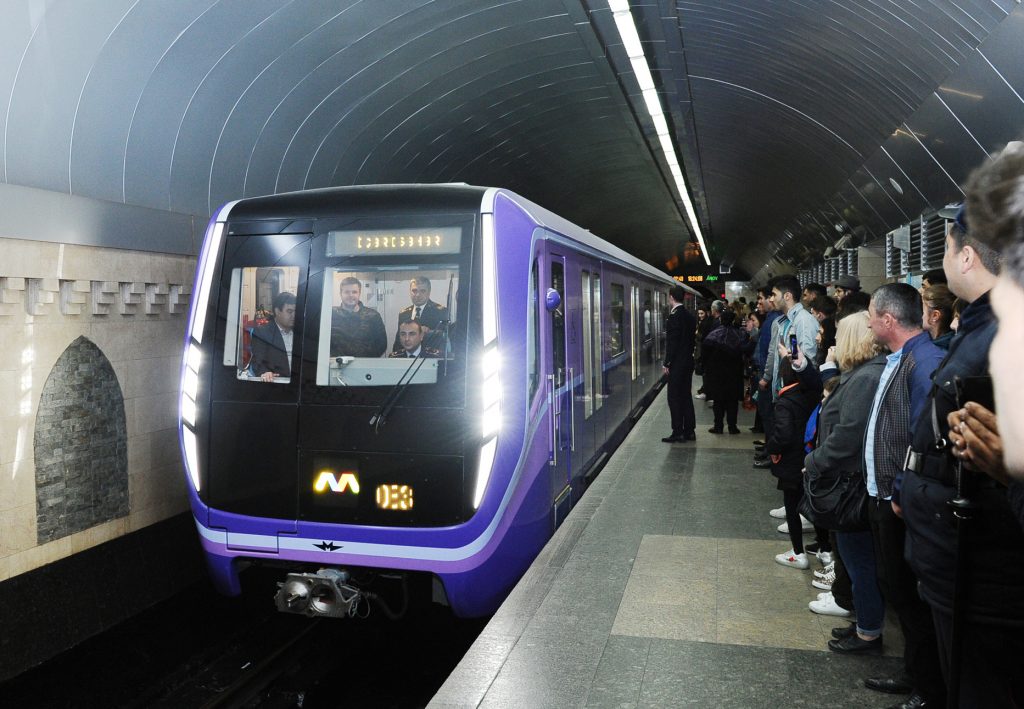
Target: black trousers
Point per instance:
(842, 587)
(992, 659)
(899, 587)
(680, 400)
(726, 410)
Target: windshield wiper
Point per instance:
(447, 325)
(380, 416)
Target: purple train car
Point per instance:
(404, 387)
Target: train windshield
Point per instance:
(387, 326)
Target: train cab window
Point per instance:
(259, 338)
(617, 310)
(383, 327)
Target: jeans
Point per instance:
(858, 552)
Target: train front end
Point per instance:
(345, 401)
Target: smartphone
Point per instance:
(976, 389)
(793, 350)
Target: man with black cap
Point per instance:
(845, 285)
(680, 330)
(990, 548)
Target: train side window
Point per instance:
(373, 321)
(533, 344)
(647, 326)
(588, 348)
(598, 332)
(259, 335)
(634, 330)
(617, 308)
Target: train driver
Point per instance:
(272, 343)
(430, 315)
(357, 330)
(411, 335)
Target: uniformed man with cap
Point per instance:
(430, 315)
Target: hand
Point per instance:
(783, 351)
(763, 385)
(897, 509)
(268, 376)
(974, 433)
(800, 362)
(831, 356)
(664, 370)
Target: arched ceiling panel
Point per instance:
(790, 117)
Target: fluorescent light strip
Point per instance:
(634, 49)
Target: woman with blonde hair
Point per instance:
(841, 425)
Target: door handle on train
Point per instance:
(553, 427)
(572, 409)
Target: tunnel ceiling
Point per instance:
(780, 110)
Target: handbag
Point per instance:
(836, 502)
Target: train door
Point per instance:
(590, 423)
(255, 383)
(554, 346)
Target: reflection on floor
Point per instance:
(660, 589)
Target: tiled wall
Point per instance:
(133, 307)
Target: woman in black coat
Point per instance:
(723, 370)
(785, 444)
(841, 425)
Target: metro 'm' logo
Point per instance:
(341, 483)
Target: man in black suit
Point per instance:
(410, 334)
(680, 327)
(272, 343)
(430, 315)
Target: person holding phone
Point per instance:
(992, 645)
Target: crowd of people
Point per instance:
(894, 428)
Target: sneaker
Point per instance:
(811, 548)
(791, 558)
(825, 583)
(778, 513)
(702, 395)
(806, 527)
(829, 568)
(853, 645)
(825, 557)
(824, 595)
(828, 606)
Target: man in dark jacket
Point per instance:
(680, 327)
(272, 343)
(357, 330)
(895, 320)
(992, 646)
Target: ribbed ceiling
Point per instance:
(776, 106)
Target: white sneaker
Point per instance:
(824, 595)
(806, 526)
(825, 582)
(829, 569)
(778, 513)
(791, 558)
(828, 606)
(825, 557)
(702, 395)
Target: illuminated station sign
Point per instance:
(700, 278)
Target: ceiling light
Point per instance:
(634, 49)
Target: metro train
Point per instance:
(363, 461)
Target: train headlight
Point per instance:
(207, 263)
(188, 442)
(483, 471)
(490, 420)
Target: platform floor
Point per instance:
(660, 590)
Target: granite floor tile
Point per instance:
(620, 673)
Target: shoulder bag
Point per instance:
(838, 502)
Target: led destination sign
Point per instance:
(443, 240)
(696, 279)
